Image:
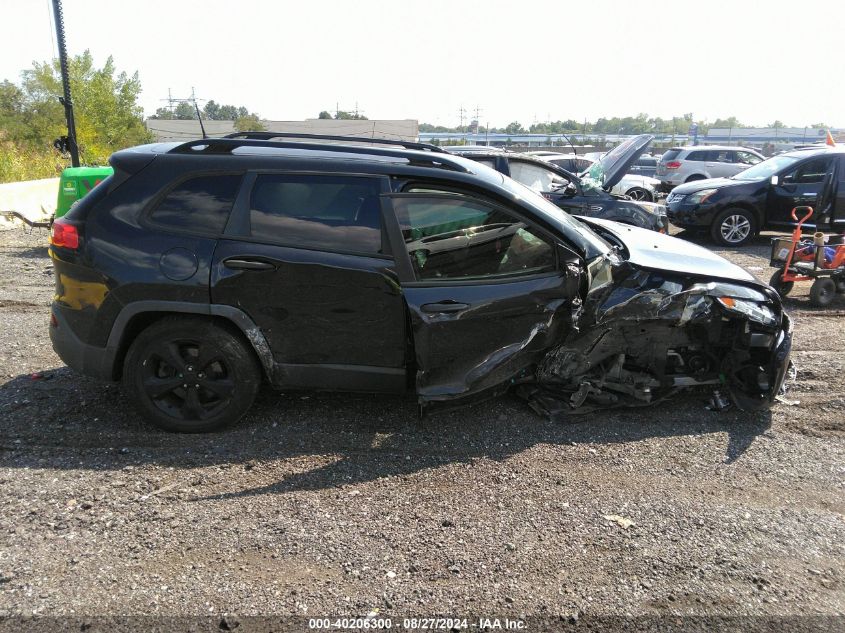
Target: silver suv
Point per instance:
(698, 162)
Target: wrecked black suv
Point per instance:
(201, 269)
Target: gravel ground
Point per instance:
(325, 504)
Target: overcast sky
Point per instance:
(522, 60)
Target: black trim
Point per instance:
(482, 281)
(328, 377)
(225, 146)
(268, 135)
(232, 314)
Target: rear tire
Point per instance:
(822, 292)
(695, 177)
(733, 227)
(782, 287)
(190, 375)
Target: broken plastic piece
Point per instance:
(718, 402)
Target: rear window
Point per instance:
(201, 204)
(671, 154)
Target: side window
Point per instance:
(813, 171)
(320, 212)
(533, 176)
(724, 157)
(199, 204)
(451, 238)
(747, 158)
(697, 156)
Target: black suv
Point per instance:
(762, 197)
(199, 270)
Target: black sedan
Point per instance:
(763, 196)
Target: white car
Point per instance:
(636, 187)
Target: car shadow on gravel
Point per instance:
(32, 252)
(58, 419)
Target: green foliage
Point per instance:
(325, 115)
(108, 117)
(19, 163)
(249, 123)
(640, 124)
(212, 111)
(514, 128)
(350, 116)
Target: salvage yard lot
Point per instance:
(331, 504)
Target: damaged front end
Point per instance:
(645, 335)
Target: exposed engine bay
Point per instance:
(642, 336)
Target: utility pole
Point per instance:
(65, 100)
(462, 114)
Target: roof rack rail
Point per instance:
(266, 136)
(227, 145)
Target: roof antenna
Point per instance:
(199, 117)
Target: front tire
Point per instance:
(733, 227)
(782, 287)
(190, 375)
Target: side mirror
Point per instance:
(774, 181)
(570, 190)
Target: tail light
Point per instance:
(64, 234)
(673, 164)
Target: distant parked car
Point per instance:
(586, 195)
(680, 165)
(762, 197)
(635, 186)
(644, 166)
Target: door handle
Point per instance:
(444, 307)
(248, 264)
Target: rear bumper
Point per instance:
(97, 362)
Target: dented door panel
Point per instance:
(474, 338)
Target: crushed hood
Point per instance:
(656, 251)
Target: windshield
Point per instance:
(767, 168)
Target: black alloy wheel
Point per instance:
(191, 375)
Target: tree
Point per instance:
(185, 111)
(211, 111)
(324, 115)
(514, 128)
(108, 117)
(249, 123)
(351, 116)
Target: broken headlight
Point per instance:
(758, 312)
(751, 303)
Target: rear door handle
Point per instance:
(444, 307)
(248, 264)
